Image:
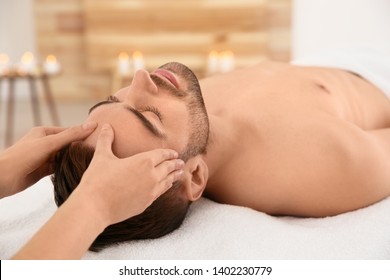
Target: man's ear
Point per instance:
(196, 177)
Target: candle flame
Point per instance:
(27, 57)
(123, 56)
(51, 59)
(213, 54)
(137, 54)
(4, 58)
(227, 54)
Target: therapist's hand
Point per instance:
(31, 158)
(119, 188)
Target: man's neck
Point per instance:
(221, 144)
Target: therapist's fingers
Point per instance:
(54, 130)
(158, 156)
(59, 137)
(168, 180)
(105, 140)
(169, 172)
(169, 166)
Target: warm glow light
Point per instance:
(138, 61)
(226, 61)
(51, 59)
(227, 54)
(137, 55)
(123, 64)
(123, 56)
(213, 54)
(220, 61)
(27, 58)
(213, 62)
(3, 63)
(28, 64)
(51, 65)
(4, 58)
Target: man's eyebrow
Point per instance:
(145, 122)
(99, 104)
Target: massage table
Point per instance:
(217, 231)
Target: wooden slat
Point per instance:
(87, 35)
(175, 29)
(171, 4)
(172, 42)
(134, 21)
(122, 16)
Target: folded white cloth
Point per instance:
(216, 231)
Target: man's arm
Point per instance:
(367, 164)
(334, 167)
(382, 139)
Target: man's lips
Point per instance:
(167, 75)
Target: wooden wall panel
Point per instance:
(177, 30)
(87, 35)
(60, 31)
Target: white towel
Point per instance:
(216, 231)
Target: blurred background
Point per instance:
(59, 57)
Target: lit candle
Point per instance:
(227, 61)
(123, 66)
(4, 59)
(28, 63)
(212, 62)
(138, 60)
(51, 65)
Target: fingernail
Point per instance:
(173, 154)
(180, 163)
(179, 174)
(106, 126)
(89, 125)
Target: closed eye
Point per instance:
(114, 99)
(154, 110)
(144, 121)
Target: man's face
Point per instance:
(153, 112)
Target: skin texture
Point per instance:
(285, 140)
(305, 141)
(181, 124)
(134, 183)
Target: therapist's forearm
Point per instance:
(5, 173)
(67, 235)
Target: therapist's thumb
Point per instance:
(105, 140)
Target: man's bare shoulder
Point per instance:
(320, 166)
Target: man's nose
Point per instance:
(142, 82)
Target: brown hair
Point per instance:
(166, 213)
(161, 217)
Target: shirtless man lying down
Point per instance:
(280, 138)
